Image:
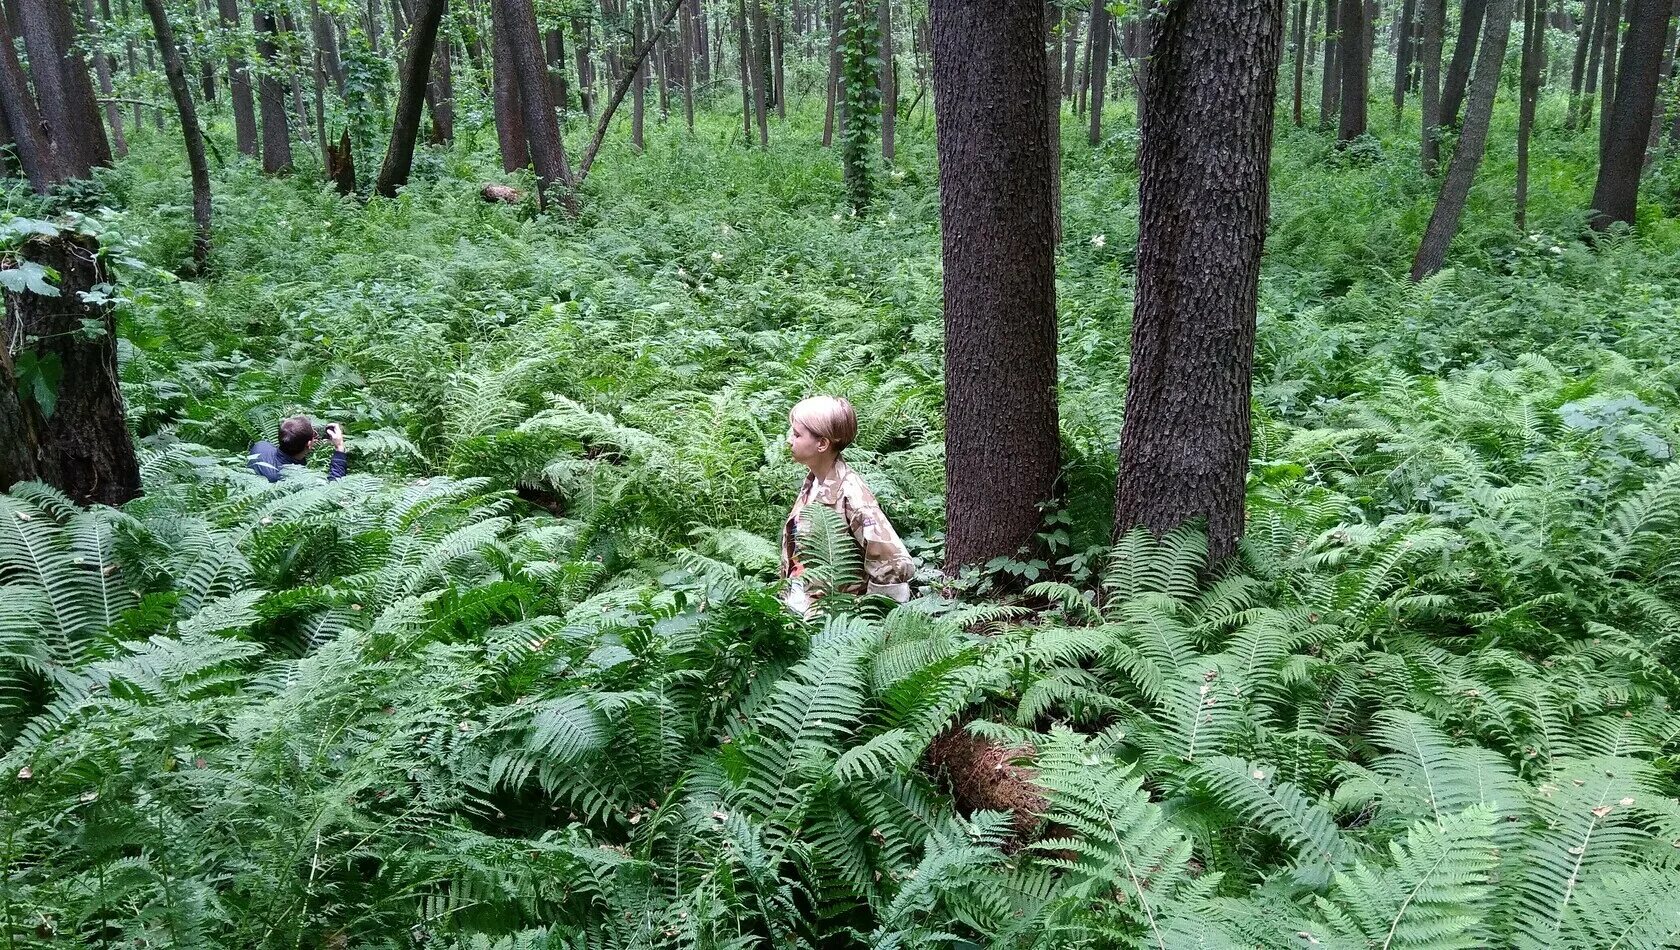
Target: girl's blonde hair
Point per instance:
(827, 417)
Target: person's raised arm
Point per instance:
(340, 462)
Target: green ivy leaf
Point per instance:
(28, 276)
(40, 375)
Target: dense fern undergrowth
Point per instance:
(521, 680)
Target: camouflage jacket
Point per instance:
(887, 567)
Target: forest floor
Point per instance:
(536, 621)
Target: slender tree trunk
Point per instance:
(1472, 143)
(661, 75)
(542, 129)
(63, 87)
(239, 85)
(1355, 89)
(1434, 17)
(777, 53)
(1083, 92)
(174, 67)
(418, 48)
(1628, 126)
(761, 71)
(1464, 54)
(889, 84)
(1070, 51)
(554, 50)
(1589, 85)
(1312, 33)
(1607, 79)
(702, 56)
(1533, 24)
(581, 36)
(687, 53)
(1403, 59)
(835, 26)
(271, 98)
(23, 118)
(746, 72)
(1203, 195)
(1331, 79)
(1099, 67)
(133, 65)
(637, 58)
(104, 65)
(510, 113)
(638, 90)
(1664, 75)
(80, 444)
(1300, 45)
(1588, 29)
(1001, 436)
(375, 24)
(440, 92)
(1053, 104)
(326, 44)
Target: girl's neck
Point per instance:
(822, 468)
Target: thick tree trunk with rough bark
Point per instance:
(1403, 58)
(1203, 193)
(77, 439)
(1355, 71)
(1099, 66)
(542, 129)
(760, 59)
(271, 98)
(440, 92)
(1001, 439)
(1628, 126)
(418, 48)
(1464, 55)
(1472, 143)
(510, 112)
(63, 87)
(1330, 79)
(174, 67)
(1433, 33)
(239, 85)
(638, 88)
(23, 119)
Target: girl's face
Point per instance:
(803, 445)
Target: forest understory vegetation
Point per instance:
(521, 679)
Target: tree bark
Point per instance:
(637, 57)
(1584, 41)
(271, 98)
(1001, 436)
(889, 84)
(1099, 66)
(1472, 143)
(1529, 88)
(1664, 75)
(440, 92)
(1330, 85)
(239, 85)
(835, 26)
(1355, 88)
(1464, 54)
(1300, 38)
(1434, 17)
(78, 442)
(103, 66)
(761, 71)
(542, 129)
(62, 87)
(581, 36)
(1628, 126)
(418, 48)
(1053, 105)
(1203, 195)
(1403, 58)
(174, 67)
(1607, 79)
(687, 53)
(1070, 51)
(326, 45)
(745, 44)
(34, 150)
(778, 85)
(510, 112)
(638, 95)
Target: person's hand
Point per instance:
(335, 433)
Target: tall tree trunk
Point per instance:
(638, 93)
(1589, 85)
(174, 68)
(79, 442)
(761, 71)
(326, 40)
(1053, 105)
(1355, 88)
(889, 84)
(1099, 66)
(1071, 51)
(1434, 28)
(745, 44)
(294, 70)
(23, 118)
(687, 54)
(1584, 41)
(104, 65)
(1464, 54)
(239, 84)
(1529, 86)
(1403, 59)
(1628, 126)
(1001, 437)
(1664, 75)
(1472, 143)
(1300, 45)
(662, 77)
(1330, 88)
(440, 92)
(418, 47)
(1607, 79)
(133, 65)
(778, 87)
(581, 37)
(510, 113)
(542, 129)
(859, 102)
(63, 87)
(835, 26)
(554, 50)
(1203, 195)
(271, 98)
(375, 24)
(702, 57)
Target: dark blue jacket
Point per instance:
(267, 460)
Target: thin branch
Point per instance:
(624, 83)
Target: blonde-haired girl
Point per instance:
(819, 429)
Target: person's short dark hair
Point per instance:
(295, 435)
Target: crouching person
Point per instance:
(298, 439)
(819, 429)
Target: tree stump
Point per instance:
(61, 408)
